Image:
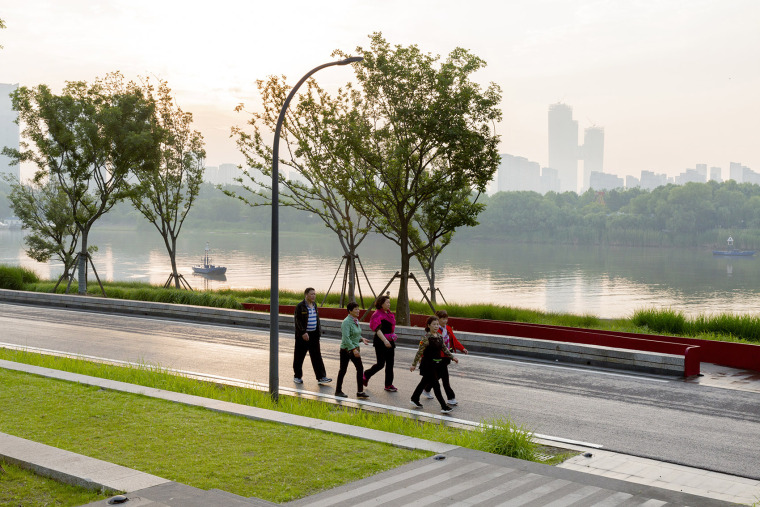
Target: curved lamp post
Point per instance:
(274, 306)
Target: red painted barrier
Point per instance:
(735, 355)
(629, 341)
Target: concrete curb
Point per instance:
(591, 355)
(72, 468)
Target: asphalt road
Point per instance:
(656, 417)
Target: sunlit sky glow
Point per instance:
(674, 83)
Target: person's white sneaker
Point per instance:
(452, 401)
(297, 380)
(428, 395)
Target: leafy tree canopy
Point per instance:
(419, 130)
(87, 140)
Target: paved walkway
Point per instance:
(462, 477)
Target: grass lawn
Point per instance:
(22, 487)
(191, 445)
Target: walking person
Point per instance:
(383, 323)
(351, 334)
(307, 339)
(450, 342)
(429, 355)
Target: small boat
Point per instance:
(206, 268)
(733, 252)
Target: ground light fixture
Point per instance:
(274, 303)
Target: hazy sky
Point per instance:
(674, 83)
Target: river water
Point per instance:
(603, 281)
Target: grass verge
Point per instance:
(517, 441)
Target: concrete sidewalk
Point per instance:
(462, 477)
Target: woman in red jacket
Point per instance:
(451, 343)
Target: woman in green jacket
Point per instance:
(351, 334)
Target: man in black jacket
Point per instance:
(307, 339)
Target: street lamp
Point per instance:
(274, 306)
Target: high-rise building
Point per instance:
(715, 174)
(563, 146)
(9, 130)
(750, 176)
(211, 174)
(735, 170)
(603, 181)
(692, 176)
(632, 182)
(549, 180)
(650, 180)
(518, 173)
(227, 173)
(593, 154)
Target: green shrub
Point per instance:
(502, 436)
(11, 278)
(29, 276)
(740, 326)
(661, 321)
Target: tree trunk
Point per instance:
(402, 303)
(351, 278)
(82, 290)
(173, 257)
(431, 279)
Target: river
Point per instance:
(603, 281)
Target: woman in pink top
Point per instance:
(383, 323)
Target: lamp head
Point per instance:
(352, 59)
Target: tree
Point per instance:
(318, 180)
(86, 140)
(418, 129)
(44, 213)
(690, 208)
(2, 25)
(165, 194)
(435, 226)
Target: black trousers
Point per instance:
(429, 378)
(385, 357)
(443, 374)
(345, 357)
(315, 354)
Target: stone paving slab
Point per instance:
(656, 473)
(468, 477)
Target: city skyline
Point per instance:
(671, 82)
